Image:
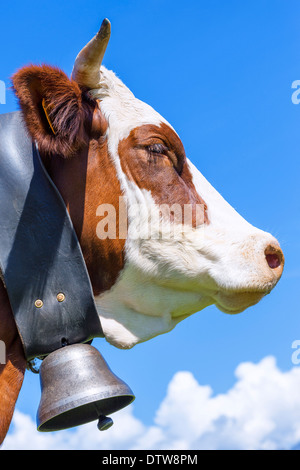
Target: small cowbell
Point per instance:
(78, 387)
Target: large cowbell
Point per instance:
(50, 291)
(79, 387)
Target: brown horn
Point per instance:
(86, 70)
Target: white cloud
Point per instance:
(261, 411)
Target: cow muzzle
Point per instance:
(262, 267)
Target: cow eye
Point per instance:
(158, 149)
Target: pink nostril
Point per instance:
(273, 261)
(274, 256)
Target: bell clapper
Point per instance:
(104, 423)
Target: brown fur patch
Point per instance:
(165, 174)
(11, 373)
(86, 181)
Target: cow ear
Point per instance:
(53, 109)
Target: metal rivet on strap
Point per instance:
(38, 303)
(60, 297)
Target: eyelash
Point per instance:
(157, 149)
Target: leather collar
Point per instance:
(40, 257)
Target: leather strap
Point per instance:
(40, 256)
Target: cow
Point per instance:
(99, 145)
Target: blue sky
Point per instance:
(221, 74)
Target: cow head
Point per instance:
(105, 148)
